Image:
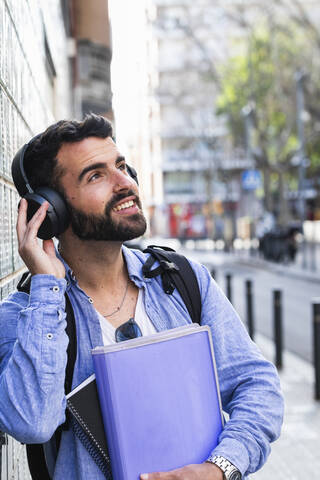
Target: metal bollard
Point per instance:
(316, 345)
(277, 324)
(229, 289)
(249, 303)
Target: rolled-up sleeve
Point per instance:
(33, 345)
(249, 384)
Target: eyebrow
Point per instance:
(97, 165)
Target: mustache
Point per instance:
(120, 196)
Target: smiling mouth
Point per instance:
(124, 205)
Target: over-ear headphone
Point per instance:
(57, 219)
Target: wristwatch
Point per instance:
(230, 472)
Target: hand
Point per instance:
(203, 471)
(39, 259)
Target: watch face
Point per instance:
(235, 476)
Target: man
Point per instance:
(104, 282)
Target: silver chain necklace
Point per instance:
(121, 303)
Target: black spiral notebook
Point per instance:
(84, 407)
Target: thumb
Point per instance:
(155, 476)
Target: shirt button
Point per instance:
(49, 336)
(90, 300)
(56, 289)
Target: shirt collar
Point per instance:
(135, 260)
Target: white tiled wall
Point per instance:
(29, 102)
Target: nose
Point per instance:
(122, 181)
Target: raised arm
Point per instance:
(33, 341)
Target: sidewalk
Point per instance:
(218, 258)
(296, 455)
(294, 270)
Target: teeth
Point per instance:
(128, 204)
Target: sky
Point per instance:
(128, 66)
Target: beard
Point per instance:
(103, 227)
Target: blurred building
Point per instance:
(201, 171)
(206, 183)
(90, 31)
(134, 81)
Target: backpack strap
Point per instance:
(176, 272)
(72, 346)
(35, 454)
(24, 283)
(37, 462)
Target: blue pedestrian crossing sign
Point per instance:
(251, 179)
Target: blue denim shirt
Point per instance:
(33, 358)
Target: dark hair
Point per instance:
(40, 161)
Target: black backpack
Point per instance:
(175, 271)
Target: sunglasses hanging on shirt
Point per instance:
(128, 331)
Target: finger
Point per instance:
(21, 225)
(37, 219)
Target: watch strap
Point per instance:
(230, 472)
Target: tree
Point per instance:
(263, 76)
(270, 42)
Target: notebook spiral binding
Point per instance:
(90, 444)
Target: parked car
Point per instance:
(280, 244)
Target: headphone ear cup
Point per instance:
(17, 171)
(57, 218)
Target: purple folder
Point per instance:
(160, 401)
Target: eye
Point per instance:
(123, 167)
(94, 177)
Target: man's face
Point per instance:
(101, 196)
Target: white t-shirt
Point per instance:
(140, 317)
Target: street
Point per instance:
(297, 296)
